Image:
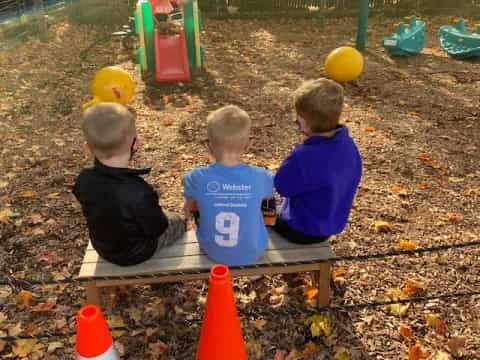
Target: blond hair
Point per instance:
(107, 127)
(320, 103)
(228, 126)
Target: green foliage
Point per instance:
(110, 13)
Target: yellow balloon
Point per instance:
(344, 64)
(111, 84)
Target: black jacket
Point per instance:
(122, 212)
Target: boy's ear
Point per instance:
(87, 150)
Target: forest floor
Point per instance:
(416, 123)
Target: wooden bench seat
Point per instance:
(185, 261)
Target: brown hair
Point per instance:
(107, 127)
(228, 125)
(320, 103)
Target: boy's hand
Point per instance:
(191, 210)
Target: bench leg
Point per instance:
(323, 283)
(93, 294)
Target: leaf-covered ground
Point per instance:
(415, 120)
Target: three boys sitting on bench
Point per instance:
(317, 181)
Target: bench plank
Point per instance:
(187, 248)
(187, 255)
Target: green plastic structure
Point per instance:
(408, 40)
(458, 42)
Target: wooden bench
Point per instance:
(184, 261)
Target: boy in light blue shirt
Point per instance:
(229, 193)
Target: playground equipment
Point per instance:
(344, 64)
(111, 84)
(458, 42)
(408, 40)
(169, 38)
(93, 337)
(221, 334)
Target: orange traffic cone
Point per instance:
(93, 338)
(221, 335)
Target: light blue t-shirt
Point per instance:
(231, 230)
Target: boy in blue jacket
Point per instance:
(320, 177)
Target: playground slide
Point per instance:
(171, 58)
(161, 6)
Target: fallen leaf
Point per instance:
(5, 215)
(424, 156)
(439, 223)
(255, 349)
(2, 345)
(294, 355)
(395, 294)
(341, 354)
(455, 217)
(114, 322)
(259, 324)
(166, 122)
(3, 317)
(14, 330)
(405, 331)
(338, 275)
(158, 347)
(382, 226)
(424, 184)
(456, 345)
(45, 306)
(279, 355)
(441, 355)
(369, 129)
(25, 347)
(309, 349)
(3, 184)
(413, 287)
(397, 309)
(54, 195)
(165, 99)
(120, 347)
(415, 352)
(436, 323)
(320, 324)
(38, 232)
(472, 192)
(54, 346)
(456, 179)
(48, 258)
(36, 219)
(310, 292)
(407, 245)
(26, 298)
(27, 194)
(398, 190)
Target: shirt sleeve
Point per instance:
(149, 215)
(268, 185)
(288, 179)
(190, 186)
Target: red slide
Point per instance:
(171, 58)
(161, 6)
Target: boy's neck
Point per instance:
(119, 161)
(329, 134)
(229, 159)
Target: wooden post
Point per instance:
(323, 296)
(362, 25)
(93, 294)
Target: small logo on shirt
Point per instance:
(213, 186)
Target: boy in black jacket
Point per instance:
(125, 221)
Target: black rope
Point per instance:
(288, 311)
(12, 281)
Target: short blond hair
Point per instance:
(320, 103)
(107, 127)
(228, 125)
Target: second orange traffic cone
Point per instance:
(221, 335)
(93, 337)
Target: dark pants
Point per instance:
(292, 235)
